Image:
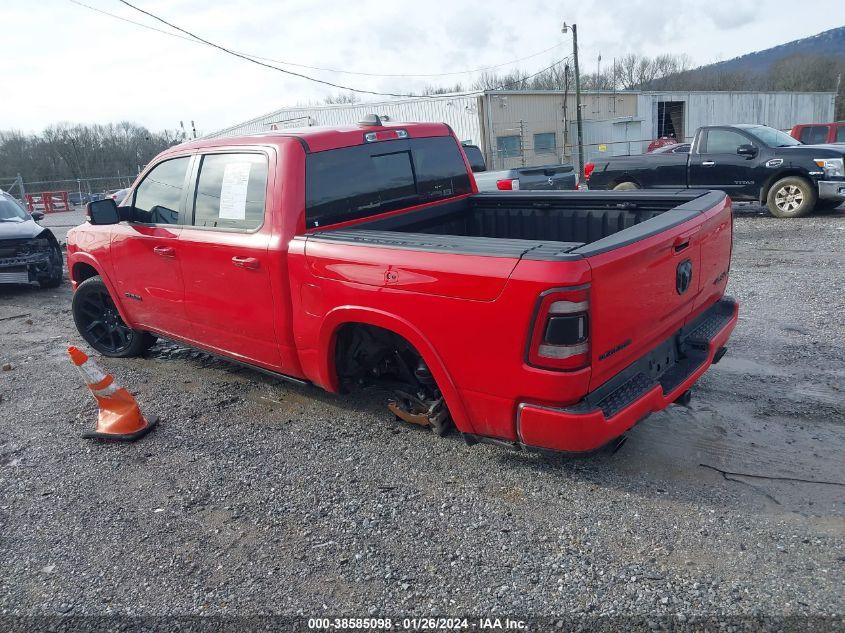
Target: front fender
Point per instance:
(370, 316)
(81, 257)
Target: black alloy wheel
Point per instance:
(101, 325)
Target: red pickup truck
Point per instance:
(819, 133)
(364, 254)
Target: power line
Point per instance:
(320, 68)
(314, 79)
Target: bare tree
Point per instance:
(442, 90)
(66, 151)
(514, 80)
(342, 97)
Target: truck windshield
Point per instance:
(364, 180)
(772, 137)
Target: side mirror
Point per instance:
(37, 215)
(102, 212)
(749, 151)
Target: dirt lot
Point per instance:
(257, 497)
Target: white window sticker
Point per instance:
(233, 191)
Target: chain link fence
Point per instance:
(80, 190)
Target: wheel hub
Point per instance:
(789, 198)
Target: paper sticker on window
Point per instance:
(233, 191)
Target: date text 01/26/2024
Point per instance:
(417, 624)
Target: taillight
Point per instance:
(508, 184)
(560, 338)
(588, 169)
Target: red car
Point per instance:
(364, 254)
(819, 133)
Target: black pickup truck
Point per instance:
(749, 162)
(542, 178)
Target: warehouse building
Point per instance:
(528, 128)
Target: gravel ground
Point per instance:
(258, 497)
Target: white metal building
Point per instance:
(525, 128)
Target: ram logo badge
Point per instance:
(683, 276)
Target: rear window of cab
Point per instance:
(365, 180)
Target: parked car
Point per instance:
(28, 251)
(119, 195)
(364, 254)
(660, 143)
(79, 198)
(675, 148)
(816, 133)
(749, 162)
(543, 178)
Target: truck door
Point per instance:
(715, 164)
(145, 251)
(225, 259)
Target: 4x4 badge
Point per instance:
(683, 277)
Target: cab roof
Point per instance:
(318, 138)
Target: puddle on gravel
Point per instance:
(776, 460)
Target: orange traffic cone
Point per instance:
(120, 417)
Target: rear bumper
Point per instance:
(649, 384)
(832, 189)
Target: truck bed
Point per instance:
(548, 225)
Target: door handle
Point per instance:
(250, 263)
(165, 251)
(708, 163)
(681, 244)
(682, 241)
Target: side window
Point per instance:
(440, 168)
(158, 196)
(723, 142)
(476, 158)
(814, 134)
(840, 134)
(230, 191)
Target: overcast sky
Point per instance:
(64, 62)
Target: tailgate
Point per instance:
(547, 178)
(648, 280)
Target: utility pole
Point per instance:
(574, 28)
(566, 147)
(614, 86)
(22, 190)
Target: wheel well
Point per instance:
(788, 173)
(371, 355)
(83, 271)
(368, 353)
